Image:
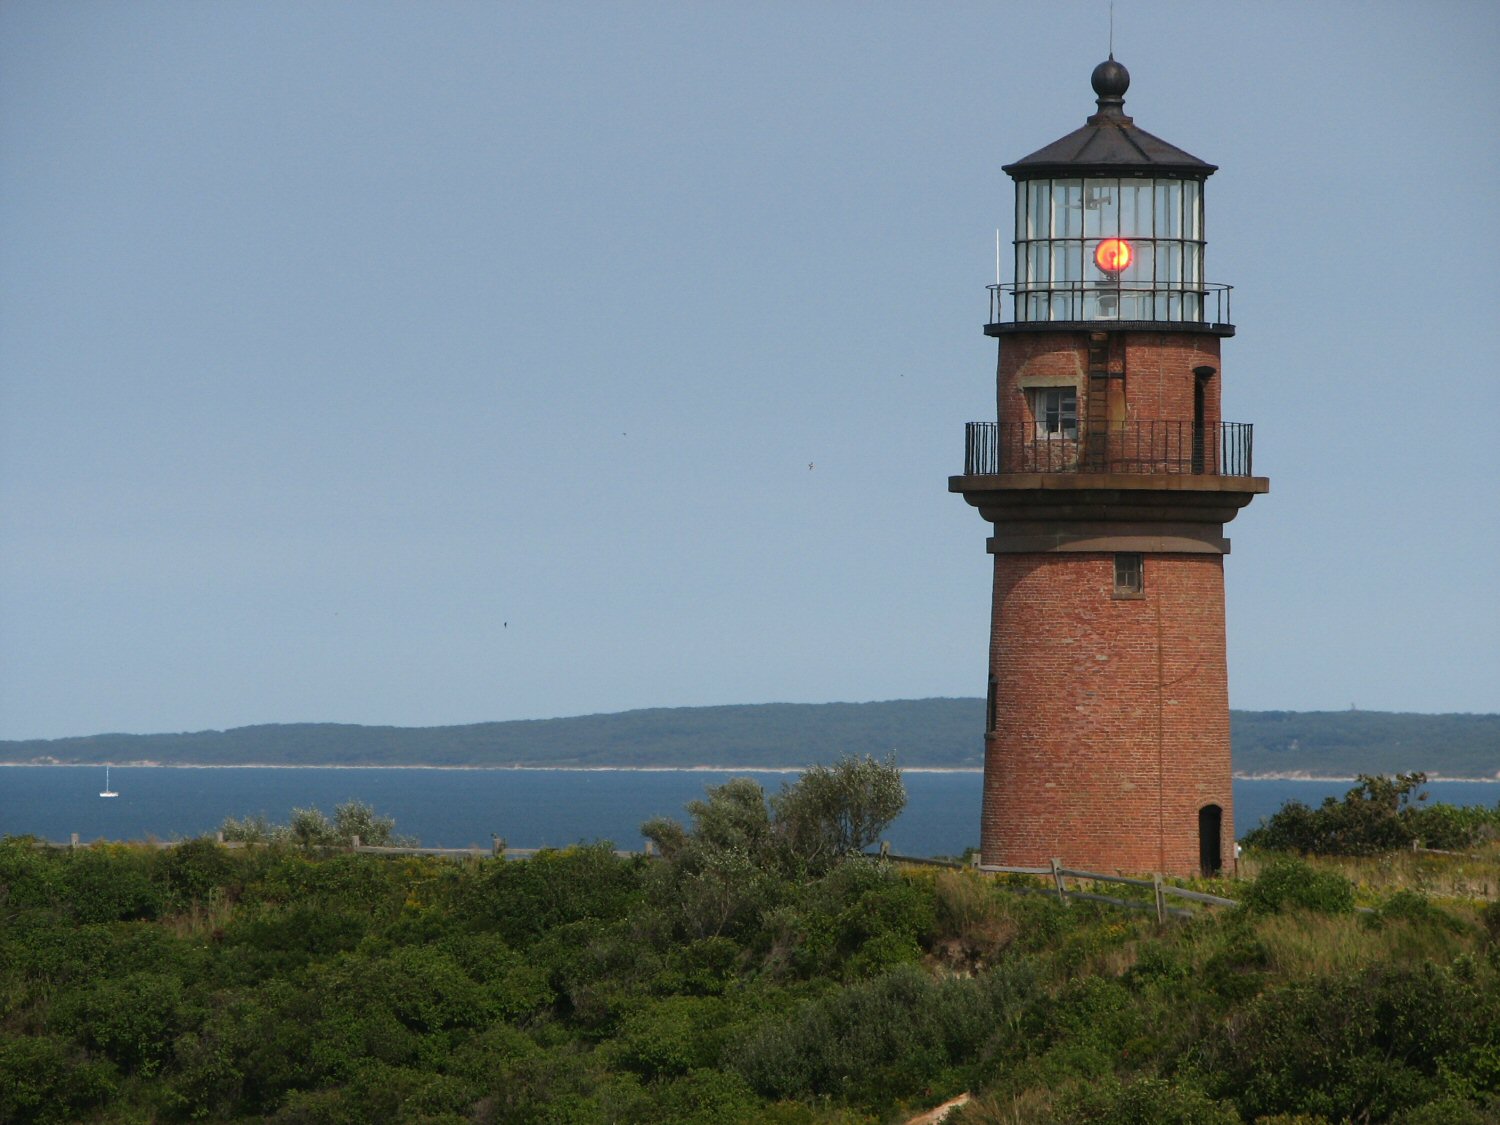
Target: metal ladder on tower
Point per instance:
(1097, 454)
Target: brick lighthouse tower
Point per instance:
(1108, 477)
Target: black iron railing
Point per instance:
(1159, 301)
(1216, 449)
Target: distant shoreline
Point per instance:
(1298, 775)
(1283, 775)
(938, 734)
(493, 769)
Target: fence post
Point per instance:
(73, 840)
(219, 836)
(354, 842)
(885, 849)
(1057, 877)
(1161, 897)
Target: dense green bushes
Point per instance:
(885, 1039)
(274, 983)
(1289, 884)
(1380, 814)
(1372, 1045)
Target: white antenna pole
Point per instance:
(997, 255)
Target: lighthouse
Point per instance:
(1107, 478)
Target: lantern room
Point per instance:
(1109, 227)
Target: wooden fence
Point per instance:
(498, 849)
(1057, 876)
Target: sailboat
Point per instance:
(108, 792)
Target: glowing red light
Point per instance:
(1113, 255)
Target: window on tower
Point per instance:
(1130, 576)
(1055, 410)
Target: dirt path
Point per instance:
(938, 1113)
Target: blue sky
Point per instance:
(446, 362)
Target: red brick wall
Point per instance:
(1112, 715)
(1158, 372)
(1040, 353)
(1159, 375)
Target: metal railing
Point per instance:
(1148, 447)
(1170, 302)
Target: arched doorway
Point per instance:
(1210, 825)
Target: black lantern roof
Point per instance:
(1110, 144)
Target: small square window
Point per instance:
(1056, 411)
(1130, 576)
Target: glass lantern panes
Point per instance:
(1060, 224)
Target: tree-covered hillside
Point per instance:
(1345, 743)
(921, 732)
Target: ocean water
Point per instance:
(529, 808)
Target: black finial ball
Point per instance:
(1110, 79)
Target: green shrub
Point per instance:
(132, 1019)
(706, 1097)
(48, 1081)
(1093, 1013)
(346, 881)
(108, 884)
(523, 900)
(311, 828)
(882, 1040)
(379, 1092)
(1145, 1101)
(1291, 884)
(832, 811)
(1380, 814)
(1453, 827)
(512, 986)
(1446, 1111)
(714, 892)
(1237, 968)
(670, 1036)
(827, 814)
(1159, 961)
(426, 989)
(1490, 916)
(1416, 908)
(195, 868)
(29, 879)
(856, 920)
(701, 968)
(298, 933)
(1359, 1046)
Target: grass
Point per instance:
(202, 918)
(1469, 877)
